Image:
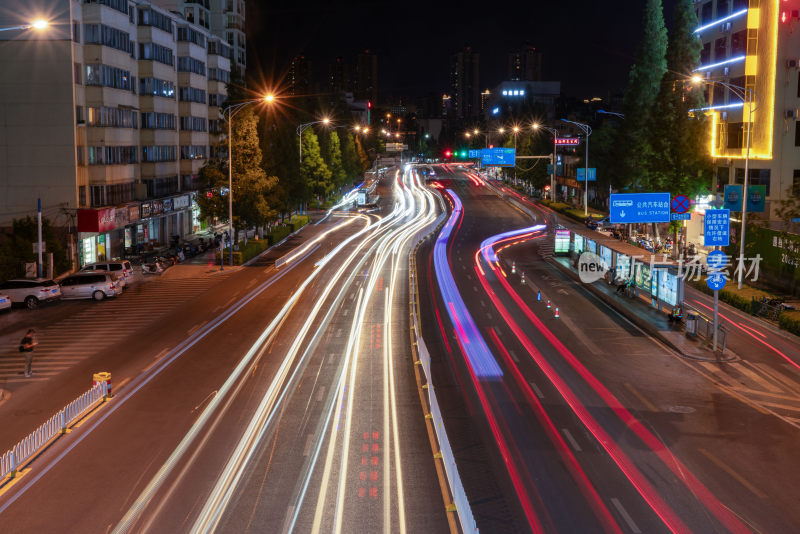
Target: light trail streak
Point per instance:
(295, 254)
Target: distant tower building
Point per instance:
(525, 65)
(300, 76)
(464, 77)
(485, 96)
(339, 76)
(367, 77)
(225, 19)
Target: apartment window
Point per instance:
(131, 14)
(721, 49)
(76, 72)
(191, 35)
(190, 94)
(219, 75)
(735, 134)
(193, 152)
(204, 19)
(739, 43)
(78, 115)
(156, 153)
(79, 155)
(796, 133)
(215, 99)
(76, 31)
(82, 188)
(188, 14)
(755, 177)
(111, 117)
(215, 126)
(110, 195)
(107, 76)
(229, 37)
(149, 17)
(722, 8)
(156, 52)
(705, 13)
(156, 87)
(119, 5)
(160, 187)
(740, 4)
(705, 54)
(190, 64)
(194, 124)
(107, 36)
(241, 58)
(112, 155)
(158, 121)
(218, 48)
(722, 178)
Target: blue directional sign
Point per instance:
(716, 260)
(716, 280)
(639, 208)
(474, 153)
(549, 168)
(680, 216)
(592, 174)
(717, 228)
(498, 157)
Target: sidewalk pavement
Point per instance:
(654, 322)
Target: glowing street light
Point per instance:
(38, 24)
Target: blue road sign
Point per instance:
(592, 174)
(680, 216)
(474, 153)
(499, 157)
(716, 280)
(716, 259)
(681, 204)
(717, 228)
(639, 208)
(549, 168)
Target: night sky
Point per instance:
(587, 45)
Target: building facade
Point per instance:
(752, 48)
(525, 65)
(299, 76)
(366, 83)
(464, 84)
(109, 114)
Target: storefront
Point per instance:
(94, 234)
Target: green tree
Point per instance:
(631, 148)
(17, 248)
(350, 159)
(315, 174)
(681, 163)
(333, 158)
(362, 155)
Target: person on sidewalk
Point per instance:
(27, 345)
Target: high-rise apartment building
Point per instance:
(366, 87)
(339, 76)
(752, 46)
(109, 114)
(464, 84)
(525, 65)
(300, 76)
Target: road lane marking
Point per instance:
(483, 304)
(287, 523)
(537, 390)
(625, 515)
(195, 328)
(571, 440)
(321, 393)
(743, 481)
(649, 405)
(758, 378)
(307, 447)
(155, 360)
(513, 356)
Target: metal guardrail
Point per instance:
(12, 459)
(460, 500)
(705, 327)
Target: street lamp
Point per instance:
(604, 112)
(746, 94)
(537, 126)
(586, 129)
(38, 24)
(231, 111)
(515, 129)
(303, 127)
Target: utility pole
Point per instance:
(39, 225)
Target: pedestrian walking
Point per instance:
(27, 345)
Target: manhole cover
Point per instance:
(681, 409)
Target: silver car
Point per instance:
(30, 292)
(121, 268)
(97, 286)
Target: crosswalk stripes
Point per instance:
(73, 339)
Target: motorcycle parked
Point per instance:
(152, 266)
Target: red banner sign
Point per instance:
(568, 141)
(96, 220)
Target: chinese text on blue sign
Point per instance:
(592, 174)
(717, 228)
(503, 157)
(639, 208)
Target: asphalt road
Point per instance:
(280, 399)
(594, 425)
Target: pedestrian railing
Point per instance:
(58, 424)
(705, 327)
(462, 506)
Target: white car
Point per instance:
(97, 286)
(121, 268)
(31, 292)
(5, 302)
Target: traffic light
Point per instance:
(447, 153)
(463, 154)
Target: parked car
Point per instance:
(122, 268)
(97, 286)
(5, 302)
(31, 291)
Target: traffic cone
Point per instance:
(538, 295)
(556, 313)
(548, 304)
(513, 267)
(523, 279)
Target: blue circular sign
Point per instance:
(716, 259)
(681, 204)
(716, 281)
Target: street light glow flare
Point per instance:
(502, 130)
(516, 129)
(697, 78)
(326, 120)
(39, 24)
(475, 131)
(269, 98)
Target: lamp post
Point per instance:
(537, 126)
(586, 129)
(302, 128)
(38, 24)
(231, 111)
(515, 129)
(746, 94)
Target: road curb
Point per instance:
(639, 322)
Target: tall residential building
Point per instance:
(464, 79)
(753, 46)
(366, 86)
(525, 65)
(109, 114)
(225, 19)
(300, 76)
(339, 76)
